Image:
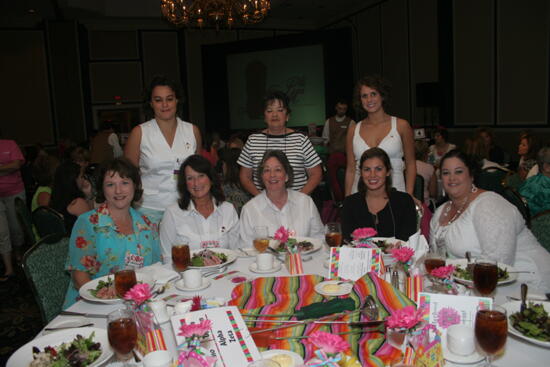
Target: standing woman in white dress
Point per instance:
(159, 147)
(378, 129)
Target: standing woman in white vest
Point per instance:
(159, 147)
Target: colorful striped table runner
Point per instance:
(285, 295)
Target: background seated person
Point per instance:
(201, 218)
(376, 204)
(113, 236)
(278, 205)
(536, 189)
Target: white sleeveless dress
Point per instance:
(392, 145)
(159, 163)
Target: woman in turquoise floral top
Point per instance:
(114, 235)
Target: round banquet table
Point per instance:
(518, 352)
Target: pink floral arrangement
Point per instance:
(195, 330)
(329, 343)
(282, 234)
(402, 254)
(405, 318)
(443, 271)
(360, 234)
(139, 293)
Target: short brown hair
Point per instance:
(125, 169)
(281, 157)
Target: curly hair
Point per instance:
(377, 83)
(282, 158)
(202, 165)
(125, 169)
(383, 156)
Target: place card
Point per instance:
(352, 263)
(228, 340)
(444, 310)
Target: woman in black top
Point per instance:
(391, 213)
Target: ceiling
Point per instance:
(284, 14)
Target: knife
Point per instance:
(523, 306)
(71, 313)
(67, 327)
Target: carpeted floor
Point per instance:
(19, 315)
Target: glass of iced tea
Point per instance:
(491, 330)
(124, 281)
(181, 257)
(435, 258)
(333, 234)
(261, 239)
(122, 333)
(485, 276)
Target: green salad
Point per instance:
(102, 287)
(208, 258)
(80, 352)
(532, 322)
(466, 274)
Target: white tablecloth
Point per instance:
(517, 352)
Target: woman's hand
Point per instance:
(80, 278)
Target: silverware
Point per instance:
(136, 356)
(68, 327)
(71, 313)
(215, 271)
(523, 306)
(528, 299)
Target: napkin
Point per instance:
(159, 273)
(418, 243)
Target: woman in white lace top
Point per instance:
(485, 224)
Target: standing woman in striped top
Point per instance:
(304, 161)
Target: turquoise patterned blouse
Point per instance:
(96, 246)
(536, 190)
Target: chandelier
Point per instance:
(217, 12)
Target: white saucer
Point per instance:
(181, 285)
(473, 358)
(254, 268)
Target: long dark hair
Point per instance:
(64, 188)
(383, 156)
(469, 161)
(230, 157)
(202, 165)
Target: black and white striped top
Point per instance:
(297, 147)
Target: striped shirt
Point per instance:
(297, 147)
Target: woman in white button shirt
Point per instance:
(277, 205)
(159, 146)
(201, 218)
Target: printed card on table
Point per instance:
(230, 341)
(352, 263)
(444, 310)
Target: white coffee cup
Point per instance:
(460, 339)
(183, 307)
(158, 358)
(159, 310)
(192, 278)
(264, 261)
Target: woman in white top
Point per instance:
(277, 205)
(201, 218)
(378, 129)
(441, 146)
(485, 224)
(159, 146)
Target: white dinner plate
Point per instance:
(180, 284)
(512, 308)
(317, 244)
(254, 268)
(297, 359)
(231, 256)
(512, 277)
(473, 358)
(92, 284)
(343, 289)
(23, 356)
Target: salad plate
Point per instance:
(220, 253)
(316, 244)
(86, 290)
(462, 263)
(23, 356)
(514, 307)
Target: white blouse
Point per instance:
(179, 226)
(298, 214)
(492, 227)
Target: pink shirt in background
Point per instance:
(12, 183)
(425, 170)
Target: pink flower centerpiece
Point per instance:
(362, 237)
(330, 349)
(403, 256)
(192, 353)
(443, 272)
(442, 280)
(139, 293)
(405, 318)
(284, 236)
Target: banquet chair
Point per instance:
(540, 226)
(48, 221)
(491, 179)
(25, 221)
(514, 197)
(513, 180)
(48, 279)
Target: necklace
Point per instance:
(377, 221)
(459, 211)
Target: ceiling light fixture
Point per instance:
(198, 13)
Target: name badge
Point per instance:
(210, 244)
(133, 260)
